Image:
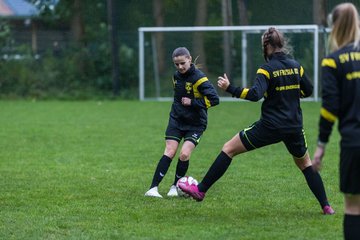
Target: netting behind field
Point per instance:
(234, 50)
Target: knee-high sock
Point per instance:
(316, 185)
(161, 170)
(181, 169)
(351, 227)
(217, 169)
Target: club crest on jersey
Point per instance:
(188, 87)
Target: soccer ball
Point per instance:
(187, 180)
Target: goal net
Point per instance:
(234, 50)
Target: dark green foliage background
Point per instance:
(82, 70)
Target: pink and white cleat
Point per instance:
(327, 210)
(192, 190)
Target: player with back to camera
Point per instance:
(282, 82)
(193, 95)
(341, 100)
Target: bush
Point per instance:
(74, 73)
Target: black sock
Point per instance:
(161, 170)
(217, 169)
(351, 227)
(181, 169)
(316, 185)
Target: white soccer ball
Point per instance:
(187, 180)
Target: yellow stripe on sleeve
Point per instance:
(200, 81)
(327, 115)
(174, 82)
(264, 72)
(244, 93)
(301, 71)
(207, 102)
(196, 85)
(328, 62)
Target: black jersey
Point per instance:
(282, 82)
(341, 95)
(195, 85)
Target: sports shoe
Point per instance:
(173, 192)
(327, 210)
(153, 192)
(192, 190)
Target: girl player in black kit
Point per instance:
(193, 95)
(282, 82)
(341, 101)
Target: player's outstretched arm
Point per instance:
(223, 82)
(255, 93)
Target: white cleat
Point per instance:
(153, 192)
(172, 192)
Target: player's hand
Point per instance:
(186, 101)
(223, 82)
(317, 159)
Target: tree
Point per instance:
(113, 33)
(44, 6)
(77, 23)
(243, 16)
(158, 13)
(319, 17)
(198, 37)
(227, 36)
(319, 12)
(157, 44)
(243, 21)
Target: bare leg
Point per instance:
(234, 146)
(352, 204)
(171, 147)
(183, 162)
(186, 151)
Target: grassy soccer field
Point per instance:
(79, 170)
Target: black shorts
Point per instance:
(257, 136)
(193, 135)
(350, 170)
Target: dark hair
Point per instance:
(181, 51)
(275, 39)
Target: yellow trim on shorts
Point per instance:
(300, 158)
(303, 131)
(247, 129)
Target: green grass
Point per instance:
(79, 170)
